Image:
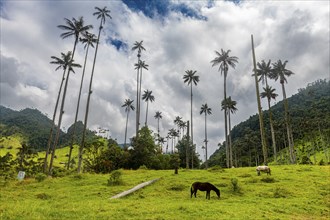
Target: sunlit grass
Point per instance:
(296, 192)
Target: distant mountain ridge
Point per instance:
(35, 127)
(309, 112)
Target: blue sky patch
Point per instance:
(120, 45)
(161, 8)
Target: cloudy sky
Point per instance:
(178, 36)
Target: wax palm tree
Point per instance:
(139, 66)
(74, 28)
(178, 121)
(101, 14)
(206, 110)
(173, 133)
(139, 47)
(70, 64)
(190, 78)
(147, 96)
(261, 122)
(269, 93)
(158, 116)
(264, 71)
(231, 108)
(89, 40)
(280, 72)
(225, 61)
(62, 63)
(128, 104)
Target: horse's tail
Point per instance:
(191, 191)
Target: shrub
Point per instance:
(43, 196)
(235, 187)
(280, 193)
(216, 168)
(40, 177)
(321, 163)
(115, 178)
(178, 187)
(268, 179)
(143, 167)
(305, 160)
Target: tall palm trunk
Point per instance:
(288, 127)
(59, 123)
(137, 99)
(61, 112)
(87, 105)
(147, 113)
(126, 127)
(206, 164)
(53, 124)
(272, 130)
(226, 120)
(139, 106)
(230, 143)
(192, 133)
(77, 110)
(261, 122)
(187, 147)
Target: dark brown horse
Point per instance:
(203, 187)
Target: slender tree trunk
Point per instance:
(87, 106)
(226, 120)
(261, 122)
(229, 140)
(77, 110)
(137, 99)
(187, 147)
(53, 124)
(206, 164)
(289, 134)
(59, 123)
(272, 130)
(158, 130)
(126, 127)
(139, 106)
(147, 114)
(62, 111)
(192, 133)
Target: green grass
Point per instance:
(292, 192)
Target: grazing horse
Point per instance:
(203, 187)
(265, 169)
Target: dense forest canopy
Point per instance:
(309, 111)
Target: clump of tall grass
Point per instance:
(115, 178)
(235, 186)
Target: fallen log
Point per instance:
(122, 194)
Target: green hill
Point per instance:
(309, 111)
(33, 127)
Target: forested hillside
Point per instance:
(34, 127)
(309, 112)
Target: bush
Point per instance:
(115, 178)
(305, 160)
(40, 177)
(268, 179)
(216, 168)
(321, 163)
(280, 193)
(143, 167)
(235, 187)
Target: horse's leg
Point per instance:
(195, 191)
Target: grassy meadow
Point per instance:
(291, 192)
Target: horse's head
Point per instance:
(218, 193)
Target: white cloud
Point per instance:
(293, 31)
